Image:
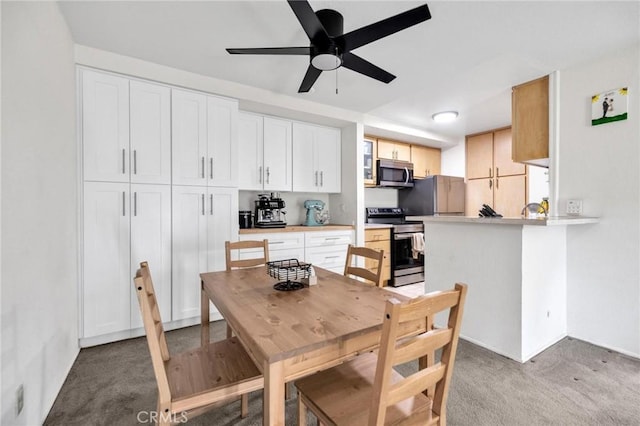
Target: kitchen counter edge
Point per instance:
(296, 228)
(549, 221)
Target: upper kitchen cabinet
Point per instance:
(394, 150)
(480, 150)
(426, 161)
(370, 154)
(204, 134)
(530, 122)
(265, 144)
(504, 165)
(105, 127)
(150, 133)
(125, 129)
(316, 158)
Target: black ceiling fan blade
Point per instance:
(380, 29)
(310, 22)
(309, 78)
(357, 64)
(271, 51)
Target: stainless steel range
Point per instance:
(407, 267)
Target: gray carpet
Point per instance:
(571, 383)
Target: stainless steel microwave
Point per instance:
(394, 173)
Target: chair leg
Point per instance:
(229, 332)
(302, 412)
(164, 418)
(244, 405)
(287, 392)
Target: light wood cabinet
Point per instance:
(530, 122)
(379, 239)
(316, 158)
(394, 150)
(426, 161)
(492, 177)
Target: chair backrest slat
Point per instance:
(153, 329)
(423, 346)
(246, 263)
(367, 253)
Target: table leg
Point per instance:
(273, 394)
(204, 317)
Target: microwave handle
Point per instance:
(407, 171)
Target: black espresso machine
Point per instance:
(269, 213)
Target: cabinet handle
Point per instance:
(268, 174)
(332, 257)
(276, 242)
(260, 174)
(123, 212)
(316, 178)
(135, 204)
(490, 183)
(331, 238)
(321, 178)
(490, 172)
(497, 183)
(497, 171)
(211, 204)
(135, 162)
(211, 168)
(202, 202)
(123, 154)
(202, 164)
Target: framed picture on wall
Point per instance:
(609, 106)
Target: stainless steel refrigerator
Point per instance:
(434, 195)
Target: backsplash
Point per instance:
(381, 197)
(294, 203)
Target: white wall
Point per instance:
(600, 165)
(453, 160)
(39, 224)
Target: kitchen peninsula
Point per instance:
(516, 271)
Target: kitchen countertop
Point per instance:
(297, 228)
(549, 221)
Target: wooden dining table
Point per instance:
(292, 334)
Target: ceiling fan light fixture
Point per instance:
(326, 61)
(445, 116)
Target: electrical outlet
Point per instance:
(19, 400)
(574, 207)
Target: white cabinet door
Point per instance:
(316, 158)
(305, 173)
(222, 146)
(250, 144)
(106, 274)
(189, 240)
(277, 154)
(150, 133)
(189, 138)
(151, 242)
(105, 127)
(222, 219)
(327, 257)
(328, 154)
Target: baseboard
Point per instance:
(544, 346)
(613, 348)
(488, 347)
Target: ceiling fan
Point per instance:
(330, 48)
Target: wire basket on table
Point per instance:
(290, 271)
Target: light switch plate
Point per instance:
(574, 207)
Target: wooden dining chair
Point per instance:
(373, 264)
(245, 263)
(195, 381)
(369, 391)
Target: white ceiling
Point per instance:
(466, 58)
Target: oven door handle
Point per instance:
(402, 236)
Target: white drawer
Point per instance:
(277, 241)
(329, 238)
(328, 257)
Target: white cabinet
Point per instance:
(316, 158)
(266, 147)
(106, 274)
(150, 116)
(201, 224)
(105, 127)
(150, 215)
(123, 225)
(204, 149)
(125, 130)
(328, 249)
(282, 245)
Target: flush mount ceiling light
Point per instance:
(445, 116)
